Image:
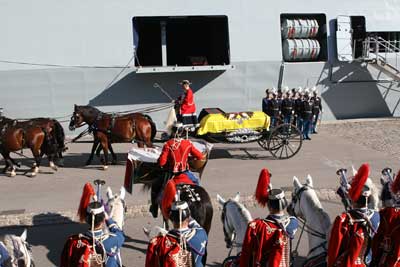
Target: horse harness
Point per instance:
(305, 228)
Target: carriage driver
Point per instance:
(184, 245)
(187, 107)
(267, 241)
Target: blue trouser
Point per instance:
(299, 123)
(273, 122)
(192, 177)
(306, 128)
(287, 118)
(314, 123)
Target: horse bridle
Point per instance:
(228, 240)
(296, 197)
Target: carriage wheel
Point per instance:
(285, 141)
(263, 141)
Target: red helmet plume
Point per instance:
(358, 182)
(168, 198)
(87, 194)
(262, 189)
(395, 187)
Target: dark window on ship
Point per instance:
(181, 41)
(304, 37)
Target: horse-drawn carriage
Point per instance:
(283, 141)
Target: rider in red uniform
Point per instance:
(174, 159)
(353, 230)
(267, 240)
(386, 244)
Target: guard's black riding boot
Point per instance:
(154, 210)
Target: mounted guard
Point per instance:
(386, 244)
(101, 244)
(174, 162)
(267, 241)
(183, 246)
(353, 230)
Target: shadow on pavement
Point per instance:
(51, 237)
(136, 244)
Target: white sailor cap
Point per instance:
(307, 91)
(300, 90)
(285, 89)
(274, 91)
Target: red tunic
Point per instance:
(386, 242)
(164, 251)
(265, 244)
(348, 242)
(187, 105)
(175, 153)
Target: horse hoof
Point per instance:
(53, 166)
(105, 167)
(60, 163)
(31, 174)
(12, 174)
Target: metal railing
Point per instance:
(382, 50)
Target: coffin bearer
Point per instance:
(287, 106)
(352, 231)
(306, 114)
(266, 101)
(267, 241)
(316, 109)
(186, 106)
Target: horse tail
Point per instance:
(168, 198)
(59, 135)
(153, 126)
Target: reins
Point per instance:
(305, 227)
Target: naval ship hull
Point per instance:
(54, 55)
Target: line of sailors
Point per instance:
(297, 106)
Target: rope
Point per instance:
(60, 65)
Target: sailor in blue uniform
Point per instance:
(112, 240)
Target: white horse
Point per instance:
(235, 218)
(307, 208)
(117, 207)
(19, 250)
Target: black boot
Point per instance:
(154, 210)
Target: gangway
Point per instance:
(383, 55)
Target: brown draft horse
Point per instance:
(108, 128)
(54, 145)
(17, 137)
